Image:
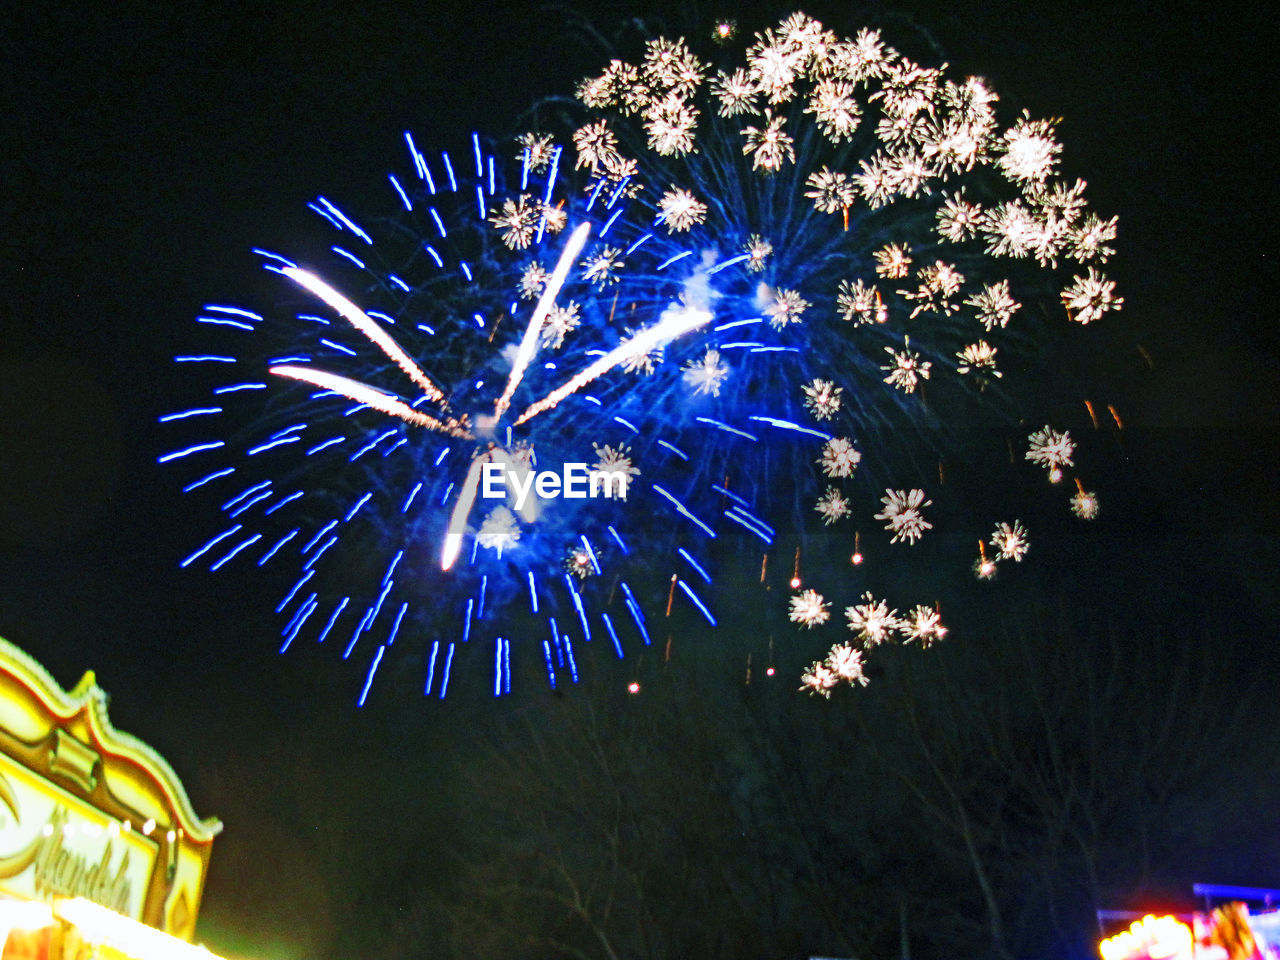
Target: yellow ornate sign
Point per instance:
(87, 811)
(53, 844)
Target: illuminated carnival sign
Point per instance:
(53, 844)
(88, 812)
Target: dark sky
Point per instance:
(149, 146)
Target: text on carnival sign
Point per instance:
(54, 844)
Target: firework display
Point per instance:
(709, 304)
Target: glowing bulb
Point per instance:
(769, 672)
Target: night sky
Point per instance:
(148, 147)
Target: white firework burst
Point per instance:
(903, 509)
(706, 374)
(994, 304)
(860, 303)
(909, 88)
(680, 210)
(1011, 230)
(809, 609)
(1084, 504)
(615, 460)
(845, 661)
(1030, 151)
(597, 146)
(1089, 240)
(774, 67)
(912, 173)
(865, 58)
(819, 680)
(499, 530)
(768, 146)
(872, 621)
(670, 65)
(532, 280)
(607, 89)
(876, 180)
(1089, 297)
(807, 38)
(602, 268)
(516, 221)
(758, 250)
(939, 283)
(598, 92)
(830, 190)
(971, 100)
(822, 398)
(942, 279)
(1060, 202)
(1051, 450)
(958, 219)
(787, 307)
(893, 260)
(726, 29)
(835, 109)
(839, 458)
(907, 369)
(736, 92)
(560, 321)
(1011, 540)
(979, 359)
(670, 124)
(579, 562)
(833, 505)
(923, 624)
(553, 217)
(536, 151)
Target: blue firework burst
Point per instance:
(760, 295)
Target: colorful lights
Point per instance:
(1156, 938)
(98, 925)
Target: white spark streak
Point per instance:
(370, 397)
(675, 324)
(529, 345)
(366, 325)
(462, 510)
